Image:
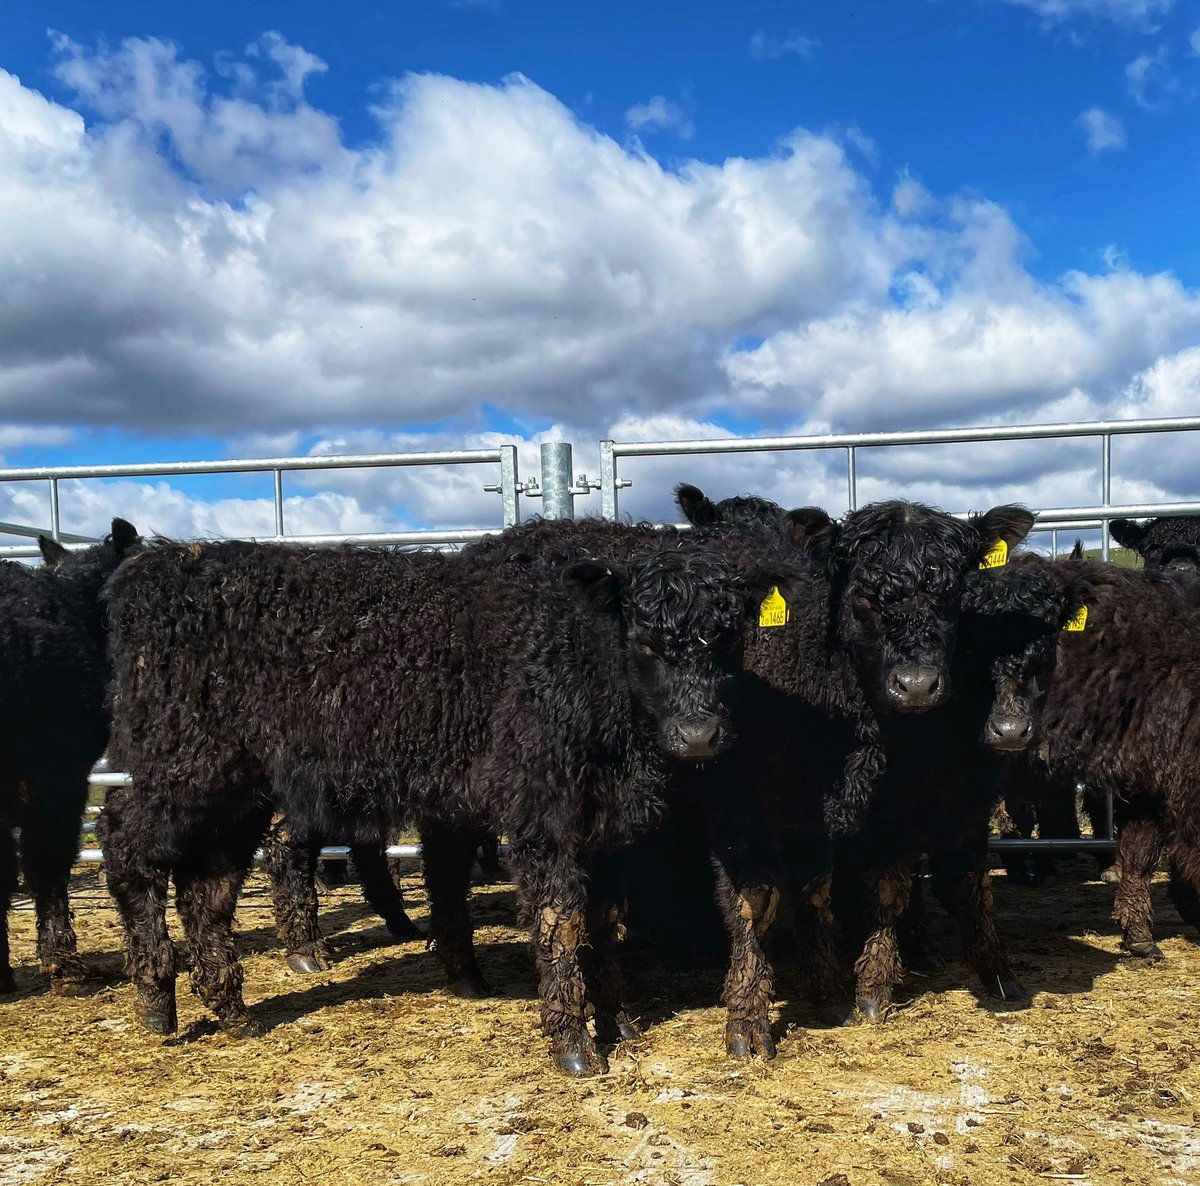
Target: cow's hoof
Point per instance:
(1110, 875)
(158, 1018)
(614, 1028)
(1008, 988)
(1145, 951)
(70, 986)
(403, 928)
(244, 1027)
(306, 964)
(744, 1039)
(470, 988)
(579, 1064)
(871, 1009)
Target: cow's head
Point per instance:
(95, 563)
(1170, 543)
(682, 614)
(899, 569)
(1012, 619)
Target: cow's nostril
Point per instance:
(699, 738)
(915, 687)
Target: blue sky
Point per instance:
(289, 226)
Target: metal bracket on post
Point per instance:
(609, 483)
(510, 487)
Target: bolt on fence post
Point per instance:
(510, 491)
(558, 502)
(608, 480)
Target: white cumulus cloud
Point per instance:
(660, 114)
(1103, 131)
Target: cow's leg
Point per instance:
(137, 864)
(878, 969)
(487, 856)
(915, 934)
(747, 904)
(448, 854)
(207, 883)
(605, 929)
(381, 891)
(49, 846)
(962, 873)
(1139, 847)
(554, 900)
(8, 887)
(292, 867)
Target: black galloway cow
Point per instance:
(1166, 542)
(351, 688)
(53, 728)
(894, 576)
(1119, 709)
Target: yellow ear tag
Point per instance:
(774, 610)
(1077, 622)
(996, 556)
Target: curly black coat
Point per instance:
(1163, 542)
(545, 698)
(1119, 710)
(53, 727)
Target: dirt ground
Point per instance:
(371, 1074)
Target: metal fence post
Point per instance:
(852, 478)
(510, 489)
(55, 522)
(1105, 488)
(279, 503)
(558, 500)
(608, 481)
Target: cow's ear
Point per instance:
(1077, 551)
(1010, 522)
(812, 529)
(597, 584)
(1128, 533)
(124, 536)
(697, 507)
(53, 553)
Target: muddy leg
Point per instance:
(555, 902)
(964, 877)
(448, 854)
(292, 867)
(487, 855)
(602, 974)
(1139, 848)
(748, 910)
(49, 845)
(8, 887)
(381, 892)
(207, 884)
(1185, 896)
(878, 969)
(136, 876)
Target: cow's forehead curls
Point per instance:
(885, 528)
(685, 590)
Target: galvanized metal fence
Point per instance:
(559, 486)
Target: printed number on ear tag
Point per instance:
(1077, 621)
(996, 556)
(774, 610)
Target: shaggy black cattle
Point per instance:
(53, 727)
(1166, 542)
(804, 742)
(349, 688)
(1119, 710)
(893, 576)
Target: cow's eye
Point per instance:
(644, 648)
(862, 608)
